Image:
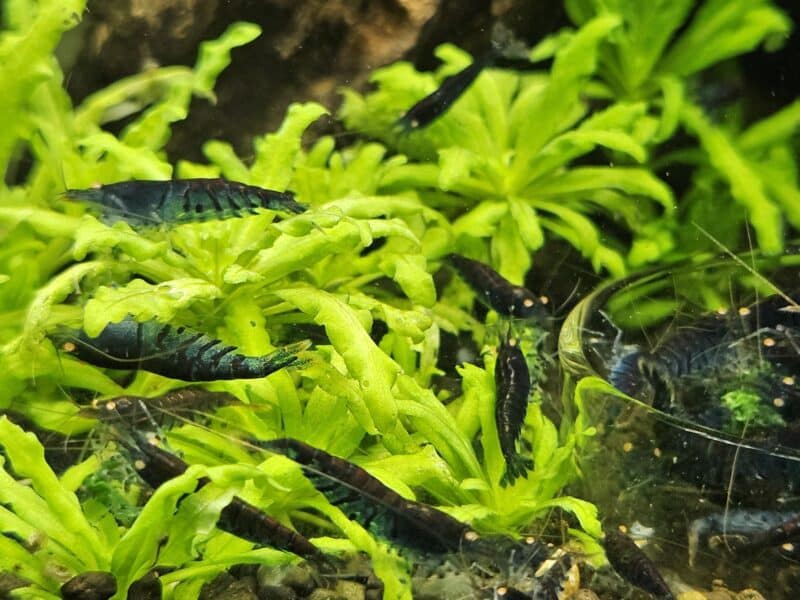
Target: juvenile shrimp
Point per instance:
(135, 411)
(495, 291)
(435, 104)
(145, 202)
(176, 352)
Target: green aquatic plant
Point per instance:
(654, 57)
(500, 162)
(359, 255)
(624, 81)
(519, 159)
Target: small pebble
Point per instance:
(228, 587)
(146, 588)
(91, 585)
(297, 577)
(350, 590)
(9, 582)
(276, 592)
(323, 594)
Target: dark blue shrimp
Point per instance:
(715, 342)
(506, 52)
(634, 565)
(177, 352)
(495, 291)
(690, 352)
(512, 391)
(142, 202)
(625, 373)
(434, 105)
(742, 531)
(156, 466)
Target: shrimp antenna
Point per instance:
(748, 268)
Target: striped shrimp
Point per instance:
(176, 352)
(379, 508)
(142, 202)
(501, 55)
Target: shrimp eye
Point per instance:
(527, 303)
(68, 347)
(471, 536)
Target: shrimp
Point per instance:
(142, 202)
(513, 388)
(177, 352)
(495, 291)
(156, 466)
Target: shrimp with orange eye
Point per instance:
(495, 291)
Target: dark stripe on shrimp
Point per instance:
(407, 523)
(435, 104)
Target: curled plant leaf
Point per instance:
(746, 187)
(46, 506)
(372, 369)
(163, 301)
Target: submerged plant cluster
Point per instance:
(345, 286)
